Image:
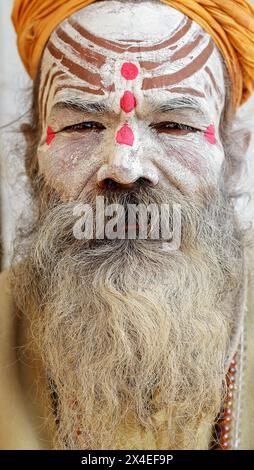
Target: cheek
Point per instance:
(191, 161)
(69, 161)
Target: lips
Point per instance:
(131, 227)
(137, 225)
(136, 229)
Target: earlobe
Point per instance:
(243, 139)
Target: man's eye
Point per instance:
(173, 128)
(85, 126)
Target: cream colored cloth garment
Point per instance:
(25, 424)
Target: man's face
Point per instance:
(129, 91)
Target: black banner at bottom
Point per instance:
(121, 459)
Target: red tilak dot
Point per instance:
(129, 71)
(210, 134)
(125, 136)
(50, 135)
(128, 102)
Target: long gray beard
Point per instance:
(126, 329)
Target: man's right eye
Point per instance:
(85, 126)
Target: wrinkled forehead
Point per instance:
(166, 52)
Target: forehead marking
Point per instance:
(217, 89)
(45, 82)
(125, 135)
(113, 46)
(149, 65)
(129, 71)
(54, 76)
(180, 54)
(130, 40)
(187, 90)
(81, 88)
(128, 102)
(180, 75)
(187, 49)
(92, 57)
(80, 72)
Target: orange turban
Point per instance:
(229, 22)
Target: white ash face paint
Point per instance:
(178, 68)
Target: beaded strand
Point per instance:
(225, 421)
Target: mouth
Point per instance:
(139, 226)
(139, 231)
(131, 227)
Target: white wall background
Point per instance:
(13, 82)
(13, 102)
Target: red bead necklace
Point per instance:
(225, 420)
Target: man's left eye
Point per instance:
(85, 126)
(173, 128)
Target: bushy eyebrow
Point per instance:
(175, 104)
(85, 107)
(156, 107)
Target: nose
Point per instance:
(113, 185)
(124, 171)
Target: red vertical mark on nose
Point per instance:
(210, 134)
(50, 135)
(129, 71)
(128, 102)
(125, 136)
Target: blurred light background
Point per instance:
(14, 101)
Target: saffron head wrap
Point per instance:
(229, 22)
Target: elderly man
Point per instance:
(121, 343)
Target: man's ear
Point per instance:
(236, 150)
(244, 137)
(31, 163)
(240, 182)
